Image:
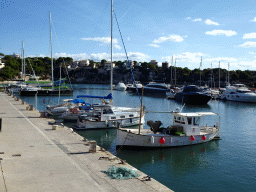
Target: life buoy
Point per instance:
(75, 111)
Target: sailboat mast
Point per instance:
(59, 85)
(219, 74)
(22, 68)
(175, 72)
(228, 73)
(111, 72)
(171, 70)
(24, 64)
(51, 48)
(200, 70)
(211, 75)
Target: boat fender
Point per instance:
(75, 111)
(106, 123)
(203, 138)
(192, 138)
(162, 140)
(152, 140)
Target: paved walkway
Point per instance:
(37, 158)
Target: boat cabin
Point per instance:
(190, 122)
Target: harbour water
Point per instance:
(228, 164)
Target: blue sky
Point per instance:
(220, 30)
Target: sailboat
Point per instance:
(106, 115)
(52, 91)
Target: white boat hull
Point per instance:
(249, 98)
(95, 124)
(151, 140)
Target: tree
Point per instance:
(103, 61)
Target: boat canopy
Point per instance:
(77, 101)
(109, 96)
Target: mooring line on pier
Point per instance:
(51, 142)
(3, 176)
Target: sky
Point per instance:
(219, 31)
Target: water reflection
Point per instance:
(178, 160)
(105, 138)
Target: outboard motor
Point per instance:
(154, 126)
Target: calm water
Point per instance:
(228, 164)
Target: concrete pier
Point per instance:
(36, 157)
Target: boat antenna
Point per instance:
(171, 70)
(127, 57)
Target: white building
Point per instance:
(131, 63)
(84, 63)
(2, 65)
(107, 66)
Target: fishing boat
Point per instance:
(192, 95)
(187, 129)
(240, 93)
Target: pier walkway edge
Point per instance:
(34, 157)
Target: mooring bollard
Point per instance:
(54, 127)
(30, 107)
(22, 102)
(42, 114)
(93, 145)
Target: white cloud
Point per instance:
(76, 57)
(199, 19)
(221, 32)
(135, 56)
(105, 40)
(252, 53)
(154, 45)
(244, 65)
(248, 44)
(117, 47)
(188, 18)
(210, 22)
(186, 56)
(222, 59)
(175, 38)
(249, 36)
(254, 20)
